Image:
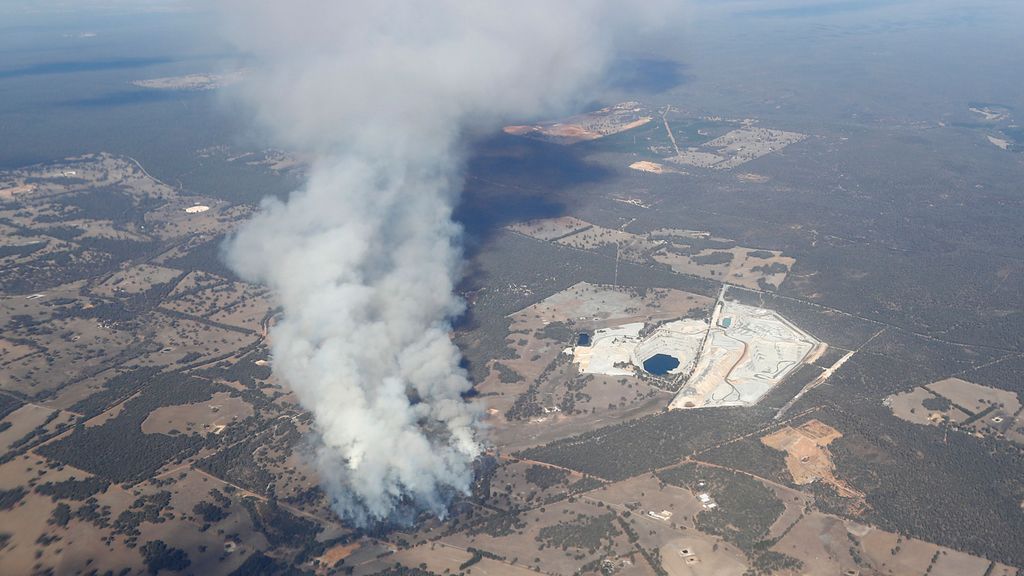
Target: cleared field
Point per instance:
(681, 250)
(830, 545)
(735, 148)
(11, 351)
(135, 280)
(963, 405)
(745, 144)
(748, 267)
(912, 406)
(633, 247)
(975, 397)
(213, 415)
(208, 302)
(82, 173)
(748, 351)
(195, 281)
(557, 539)
(25, 419)
(183, 341)
(11, 192)
(179, 217)
(696, 157)
(696, 557)
(892, 554)
(663, 516)
(807, 455)
(83, 346)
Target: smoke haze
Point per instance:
(386, 95)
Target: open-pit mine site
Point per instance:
(732, 357)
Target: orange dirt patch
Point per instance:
(339, 552)
(807, 455)
(654, 168)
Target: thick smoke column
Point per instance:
(385, 95)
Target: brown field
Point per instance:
(83, 173)
(83, 347)
(823, 542)
(523, 493)
(643, 494)
(739, 270)
(135, 279)
(697, 158)
(974, 397)
(58, 350)
(10, 193)
(732, 149)
(179, 338)
(442, 558)
(48, 246)
(526, 550)
(632, 247)
(211, 416)
(745, 144)
(913, 556)
(908, 406)
(207, 319)
(78, 542)
(972, 408)
(195, 281)
(247, 313)
(11, 351)
(79, 390)
(698, 557)
(84, 542)
(561, 133)
(172, 221)
(25, 419)
(208, 302)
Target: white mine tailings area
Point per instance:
(621, 350)
(733, 361)
(610, 350)
(748, 350)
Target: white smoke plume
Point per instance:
(386, 95)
